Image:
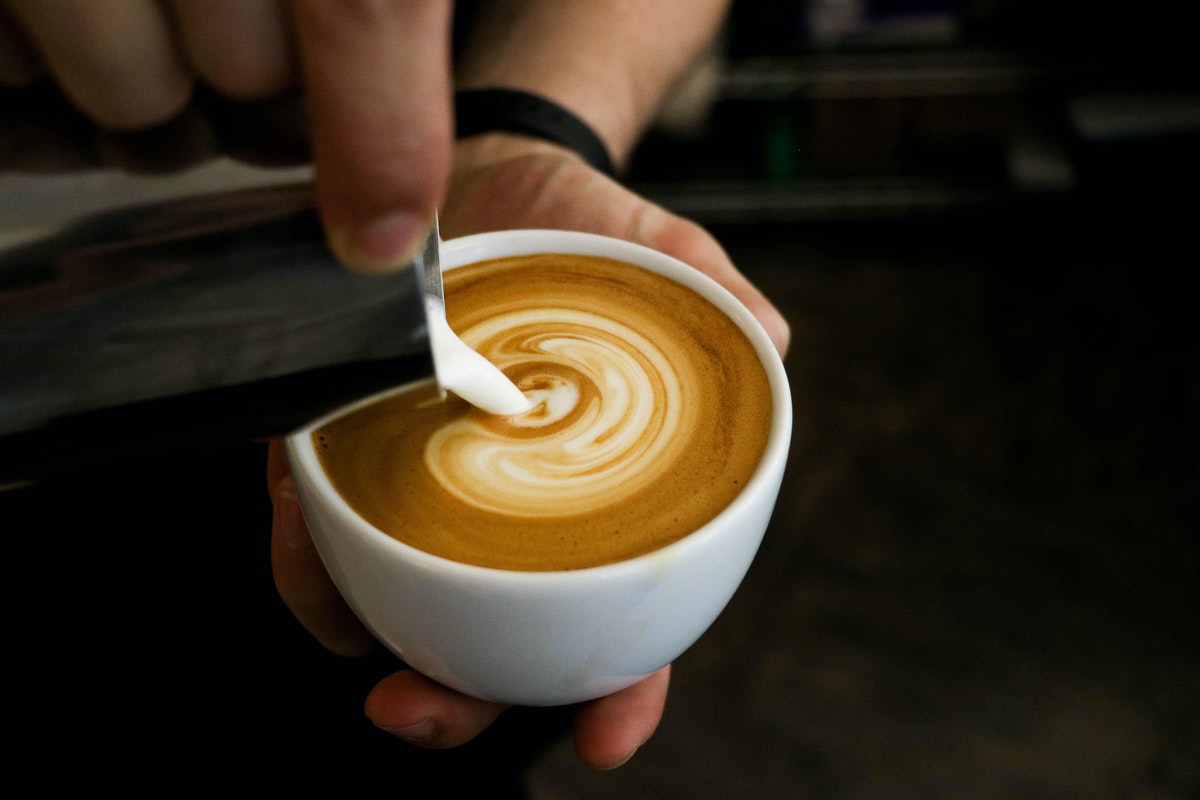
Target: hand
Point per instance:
(506, 182)
(376, 78)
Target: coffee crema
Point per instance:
(651, 412)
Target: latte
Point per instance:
(651, 412)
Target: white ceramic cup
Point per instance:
(548, 638)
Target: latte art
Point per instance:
(650, 413)
(609, 408)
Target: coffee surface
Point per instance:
(651, 411)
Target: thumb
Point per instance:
(377, 79)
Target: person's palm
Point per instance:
(549, 188)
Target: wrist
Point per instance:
(610, 64)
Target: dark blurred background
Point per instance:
(836, 109)
(981, 579)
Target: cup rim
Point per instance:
(498, 244)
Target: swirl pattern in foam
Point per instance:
(609, 408)
(651, 411)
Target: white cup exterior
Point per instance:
(548, 638)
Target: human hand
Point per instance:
(375, 76)
(503, 182)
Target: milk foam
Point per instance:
(651, 412)
(609, 404)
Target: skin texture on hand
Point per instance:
(502, 182)
(118, 62)
(611, 63)
(376, 77)
(505, 181)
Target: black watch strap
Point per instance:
(479, 111)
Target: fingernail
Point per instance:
(620, 763)
(383, 244)
(416, 733)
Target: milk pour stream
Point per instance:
(459, 368)
(469, 375)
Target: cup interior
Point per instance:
(480, 247)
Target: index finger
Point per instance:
(377, 77)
